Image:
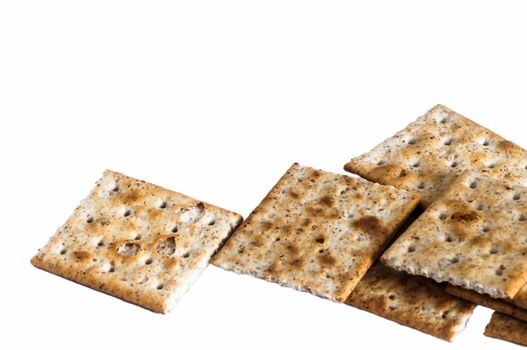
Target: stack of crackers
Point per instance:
(436, 224)
(472, 235)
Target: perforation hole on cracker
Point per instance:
(128, 249)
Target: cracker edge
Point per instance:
(514, 335)
(486, 300)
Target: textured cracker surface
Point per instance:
(317, 231)
(412, 301)
(474, 236)
(507, 328)
(137, 241)
(429, 153)
(500, 305)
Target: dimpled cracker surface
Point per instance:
(432, 151)
(474, 236)
(413, 301)
(500, 305)
(317, 231)
(507, 328)
(137, 241)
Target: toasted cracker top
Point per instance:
(473, 236)
(137, 241)
(431, 152)
(317, 231)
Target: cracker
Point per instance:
(412, 301)
(507, 328)
(317, 231)
(432, 151)
(473, 236)
(137, 241)
(500, 305)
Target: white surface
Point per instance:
(216, 99)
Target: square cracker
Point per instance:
(317, 231)
(507, 328)
(473, 236)
(137, 241)
(413, 301)
(499, 305)
(432, 151)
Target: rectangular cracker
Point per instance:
(137, 241)
(317, 231)
(431, 152)
(473, 236)
(499, 305)
(507, 328)
(413, 301)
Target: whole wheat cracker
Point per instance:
(499, 305)
(317, 231)
(137, 241)
(412, 301)
(432, 151)
(507, 328)
(473, 236)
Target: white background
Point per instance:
(217, 99)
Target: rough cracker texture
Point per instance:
(507, 328)
(137, 241)
(317, 231)
(474, 236)
(431, 152)
(487, 301)
(412, 301)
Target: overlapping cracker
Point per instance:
(137, 241)
(432, 151)
(412, 301)
(317, 231)
(507, 328)
(474, 236)
(499, 305)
